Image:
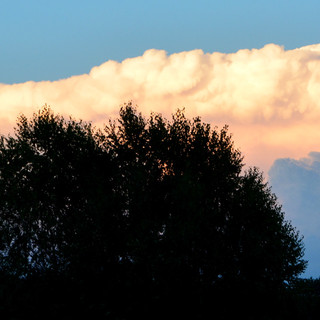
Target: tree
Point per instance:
(184, 185)
(145, 205)
(55, 186)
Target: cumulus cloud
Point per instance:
(268, 96)
(297, 185)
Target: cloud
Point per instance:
(268, 96)
(297, 185)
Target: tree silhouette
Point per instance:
(55, 187)
(151, 211)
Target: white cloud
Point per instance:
(269, 96)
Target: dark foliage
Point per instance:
(148, 217)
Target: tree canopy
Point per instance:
(150, 205)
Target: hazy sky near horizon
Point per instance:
(252, 64)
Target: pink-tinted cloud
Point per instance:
(270, 97)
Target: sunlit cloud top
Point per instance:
(268, 96)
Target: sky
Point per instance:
(251, 64)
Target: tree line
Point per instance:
(147, 216)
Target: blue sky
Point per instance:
(50, 40)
